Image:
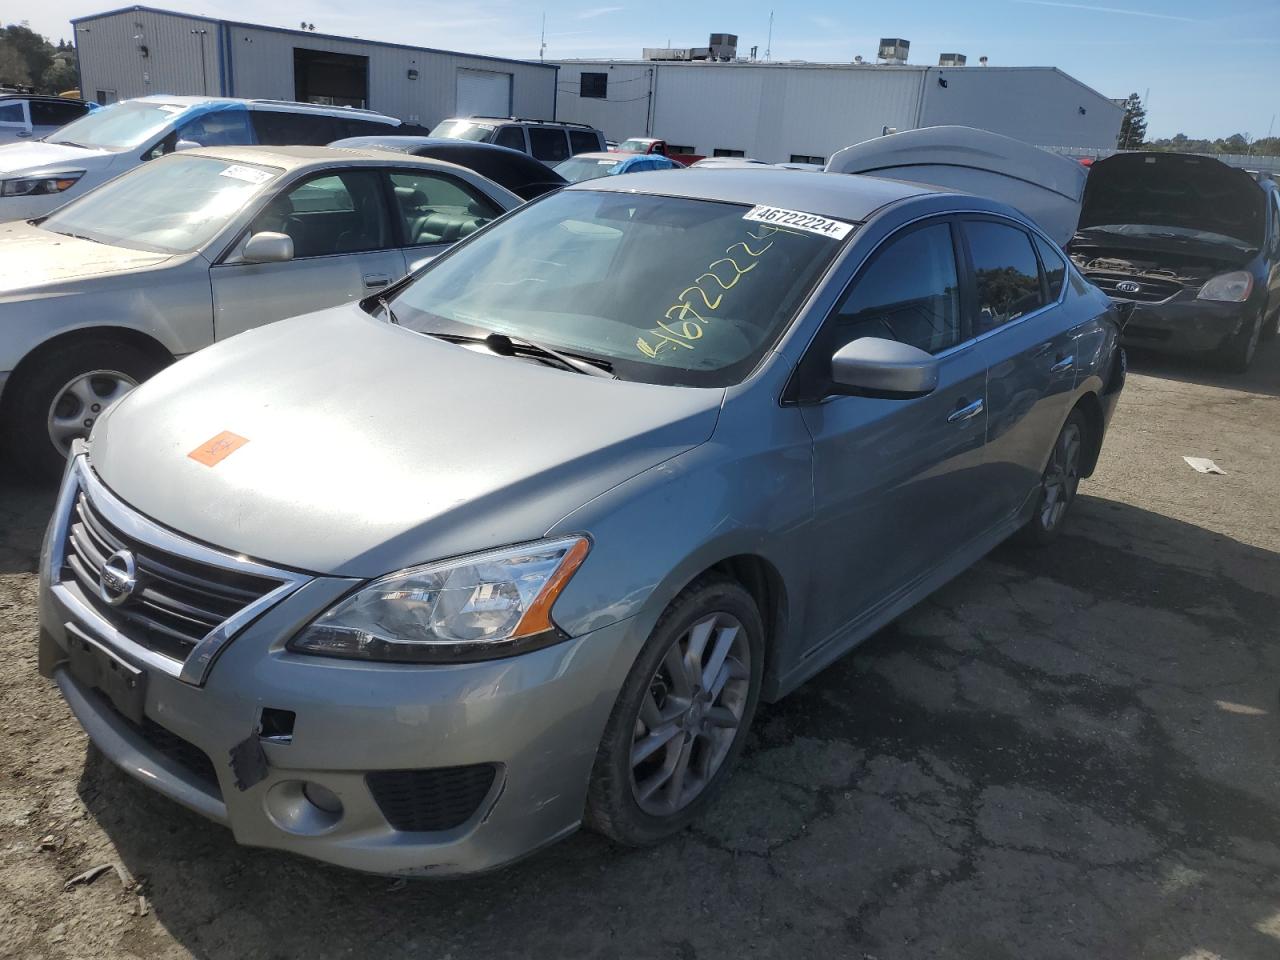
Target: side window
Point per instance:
(512, 137)
(278, 129)
(583, 141)
(330, 214)
(222, 128)
(436, 209)
(907, 293)
(548, 144)
(46, 113)
(12, 112)
(349, 127)
(1005, 273)
(1055, 268)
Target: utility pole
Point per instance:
(542, 45)
(768, 47)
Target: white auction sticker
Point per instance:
(238, 171)
(798, 220)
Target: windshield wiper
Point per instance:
(77, 236)
(70, 143)
(386, 308)
(508, 346)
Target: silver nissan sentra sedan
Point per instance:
(421, 584)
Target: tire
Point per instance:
(633, 804)
(1059, 483)
(1236, 355)
(77, 378)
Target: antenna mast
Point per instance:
(542, 45)
(768, 47)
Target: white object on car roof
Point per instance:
(1046, 187)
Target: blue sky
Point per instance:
(1212, 68)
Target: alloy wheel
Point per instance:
(1062, 476)
(690, 715)
(77, 406)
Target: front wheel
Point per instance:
(60, 399)
(681, 719)
(1059, 483)
(1237, 354)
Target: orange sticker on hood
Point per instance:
(215, 450)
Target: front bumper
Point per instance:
(537, 719)
(1185, 324)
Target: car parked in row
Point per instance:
(1192, 244)
(588, 166)
(421, 583)
(37, 177)
(29, 116)
(194, 248)
(547, 140)
(518, 172)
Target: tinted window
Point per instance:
(365, 128)
(583, 141)
(436, 209)
(1005, 272)
(907, 293)
(722, 152)
(277, 128)
(594, 86)
(48, 114)
(11, 113)
(221, 129)
(548, 144)
(512, 137)
(1055, 268)
(335, 213)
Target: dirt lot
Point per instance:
(1064, 754)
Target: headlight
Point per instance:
(40, 186)
(472, 608)
(1235, 287)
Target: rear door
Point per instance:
(1030, 350)
(894, 480)
(433, 211)
(14, 124)
(345, 248)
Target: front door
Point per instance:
(13, 120)
(344, 249)
(893, 480)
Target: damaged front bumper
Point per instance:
(1184, 324)
(387, 768)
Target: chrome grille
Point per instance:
(177, 601)
(1150, 289)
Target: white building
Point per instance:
(139, 50)
(805, 112)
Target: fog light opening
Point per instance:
(303, 807)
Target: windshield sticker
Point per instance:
(216, 449)
(682, 324)
(239, 171)
(798, 220)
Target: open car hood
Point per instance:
(1044, 186)
(1175, 190)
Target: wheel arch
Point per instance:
(1091, 408)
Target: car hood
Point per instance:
(1174, 190)
(370, 447)
(23, 157)
(32, 257)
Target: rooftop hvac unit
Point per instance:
(893, 50)
(668, 53)
(951, 60)
(724, 46)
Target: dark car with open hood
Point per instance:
(1193, 244)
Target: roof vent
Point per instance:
(951, 59)
(893, 51)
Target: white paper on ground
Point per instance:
(1204, 465)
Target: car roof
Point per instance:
(264, 104)
(293, 158)
(605, 155)
(834, 195)
(49, 97)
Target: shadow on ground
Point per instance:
(1263, 377)
(1062, 754)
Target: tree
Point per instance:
(13, 65)
(61, 76)
(1133, 128)
(35, 49)
(27, 58)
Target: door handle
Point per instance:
(24, 133)
(961, 414)
(1063, 365)
(374, 280)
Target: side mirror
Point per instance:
(267, 247)
(186, 145)
(870, 366)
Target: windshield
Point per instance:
(461, 130)
(120, 126)
(585, 168)
(173, 205)
(667, 290)
(634, 146)
(1163, 232)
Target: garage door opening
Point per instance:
(334, 79)
(483, 93)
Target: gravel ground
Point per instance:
(1069, 753)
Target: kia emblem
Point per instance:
(1128, 286)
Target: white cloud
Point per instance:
(1119, 10)
(593, 12)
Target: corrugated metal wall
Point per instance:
(1040, 105)
(111, 57)
(261, 65)
(775, 111)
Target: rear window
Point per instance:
(583, 141)
(548, 144)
